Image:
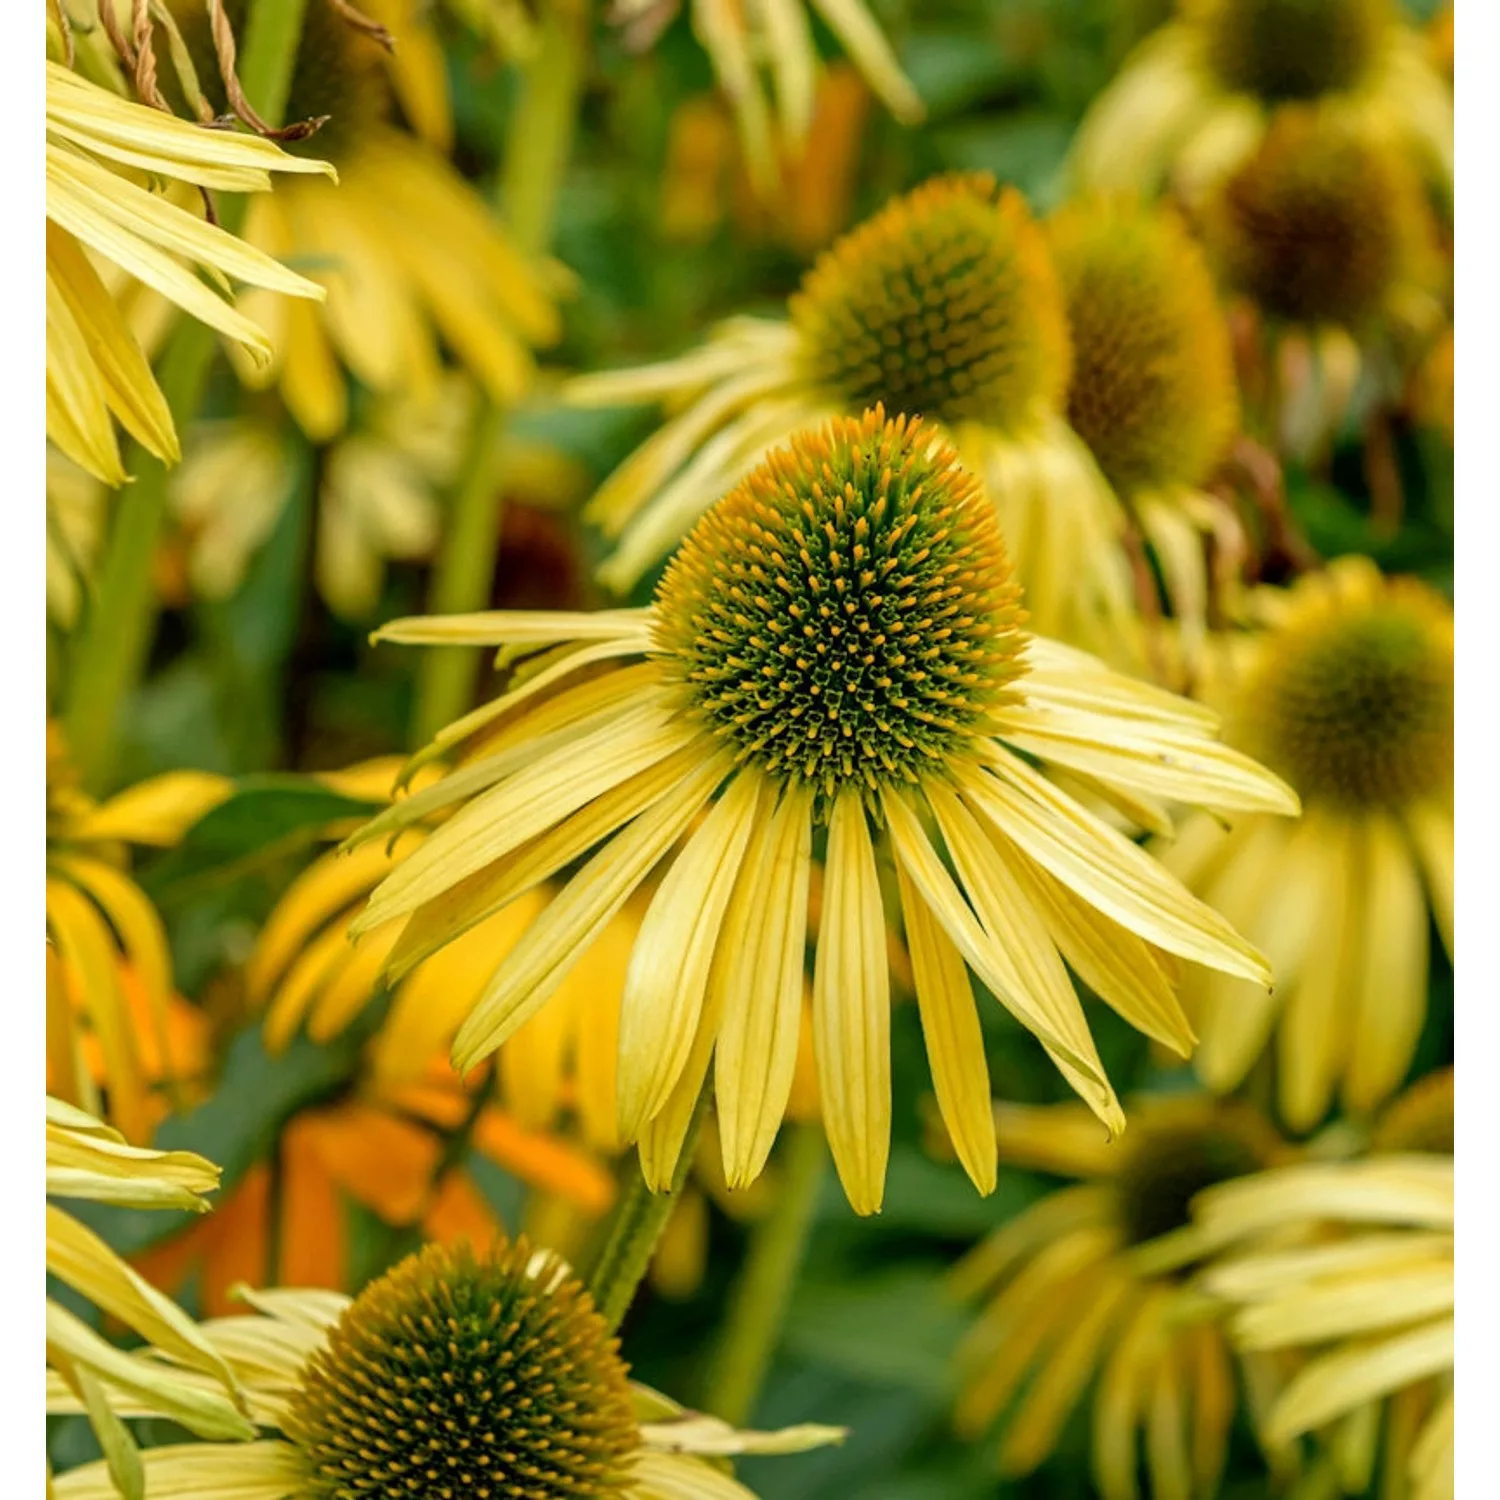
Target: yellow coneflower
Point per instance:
(1152, 391)
(837, 640)
(415, 257)
(944, 305)
(102, 150)
(512, 1383)
(1090, 1287)
(1197, 93)
(1351, 1264)
(737, 37)
(99, 922)
(1347, 692)
(194, 1384)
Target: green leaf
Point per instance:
(264, 816)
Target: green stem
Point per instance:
(762, 1292)
(639, 1219)
(110, 652)
(461, 579)
(538, 145)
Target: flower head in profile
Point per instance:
(459, 1371)
(835, 667)
(103, 154)
(105, 940)
(1196, 95)
(188, 1380)
(945, 306)
(1347, 1268)
(414, 257)
(1322, 224)
(1152, 391)
(1091, 1287)
(1347, 692)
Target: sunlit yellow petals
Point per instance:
(1057, 1215)
(312, 385)
(208, 1412)
(78, 1256)
(1123, 1394)
(851, 1009)
(1105, 869)
(318, 894)
(156, 812)
(761, 954)
(1033, 1430)
(1273, 888)
(1023, 1319)
(578, 914)
(721, 29)
(166, 146)
(86, 1159)
(1431, 830)
(1415, 1190)
(951, 1031)
(518, 627)
(1310, 1041)
(89, 956)
(457, 909)
(144, 940)
(265, 1470)
(322, 960)
(674, 949)
(1350, 1306)
(1333, 1384)
(531, 1066)
(141, 232)
(528, 803)
(1115, 964)
(1178, 765)
(1021, 942)
(855, 27)
(569, 715)
(1211, 1381)
(1390, 989)
(108, 368)
(916, 854)
(1432, 1473)
(1166, 1431)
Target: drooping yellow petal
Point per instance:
(1107, 870)
(674, 949)
(579, 913)
(955, 1043)
(765, 933)
(1390, 990)
(852, 1009)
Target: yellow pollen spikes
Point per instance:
(943, 305)
(465, 1374)
(846, 613)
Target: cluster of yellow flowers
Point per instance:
(961, 659)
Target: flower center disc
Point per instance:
(1354, 706)
(1293, 49)
(943, 305)
(1318, 224)
(845, 615)
(1152, 392)
(1171, 1162)
(463, 1375)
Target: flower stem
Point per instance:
(762, 1292)
(538, 146)
(110, 650)
(639, 1219)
